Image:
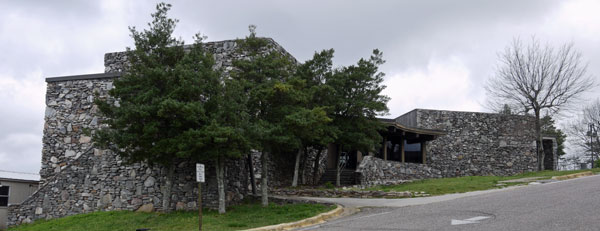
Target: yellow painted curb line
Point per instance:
(318, 219)
(575, 175)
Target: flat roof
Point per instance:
(19, 176)
(393, 123)
(109, 75)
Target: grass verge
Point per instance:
(239, 217)
(468, 183)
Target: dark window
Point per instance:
(4, 190)
(4, 196)
(412, 152)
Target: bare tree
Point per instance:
(573, 161)
(578, 129)
(534, 78)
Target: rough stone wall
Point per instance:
(70, 119)
(307, 169)
(225, 52)
(475, 144)
(76, 177)
(479, 143)
(376, 171)
(100, 180)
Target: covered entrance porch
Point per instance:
(399, 143)
(405, 144)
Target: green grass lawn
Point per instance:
(237, 217)
(468, 183)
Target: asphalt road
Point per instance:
(564, 205)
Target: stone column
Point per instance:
(385, 147)
(424, 151)
(359, 157)
(402, 148)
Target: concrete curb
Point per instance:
(572, 176)
(318, 219)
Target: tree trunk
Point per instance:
(251, 172)
(595, 154)
(303, 166)
(337, 177)
(264, 188)
(166, 190)
(539, 147)
(316, 166)
(221, 183)
(297, 167)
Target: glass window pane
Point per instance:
(4, 201)
(416, 147)
(4, 191)
(413, 152)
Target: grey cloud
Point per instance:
(52, 38)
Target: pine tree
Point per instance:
(311, 121)
(357, 101)
(265, 78)
(171, 105)
(222, 136)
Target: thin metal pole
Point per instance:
(597, 139)
(592, 142)
(199, 206)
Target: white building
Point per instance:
(15, 187)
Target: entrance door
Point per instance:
(548, 154)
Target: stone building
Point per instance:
(435, 143)
(77, 177)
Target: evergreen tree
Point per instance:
(310, 121)
(506, 110)
(265, 75)
(357, 100)
(222, 136)
(172, 105)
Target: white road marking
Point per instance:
(462, 222)
(477, 218)
(372, 215)
(472, 220)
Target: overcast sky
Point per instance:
(438, 53)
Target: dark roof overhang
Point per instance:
(19, 180)
(411, 134)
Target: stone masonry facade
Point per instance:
(475, 144)
(376, 171)
(479, 143)
(77, 177)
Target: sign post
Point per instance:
(200, 180)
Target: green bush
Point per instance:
(329, 185)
